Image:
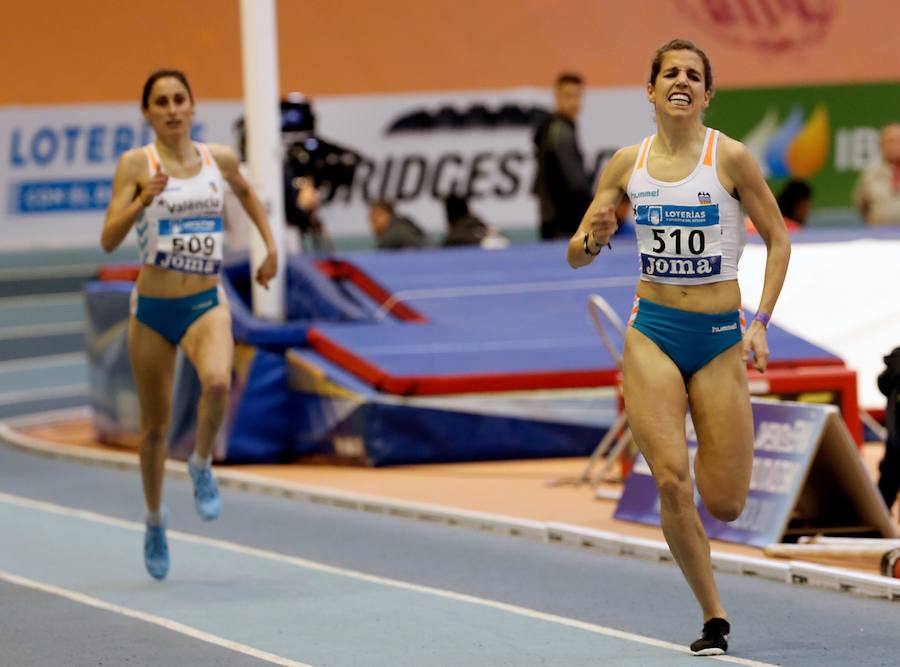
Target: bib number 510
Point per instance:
(696, 241)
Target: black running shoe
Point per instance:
(714, 640)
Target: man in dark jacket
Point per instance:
(561, 184)
(392, 231)
(889, 469)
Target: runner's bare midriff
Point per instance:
(154, 281)
(717, 297)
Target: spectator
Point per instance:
(794, 202)
(562, 185)
(392, 231)
(877, 192)
(463, 228)
(301, 205)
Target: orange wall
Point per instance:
(59, 51)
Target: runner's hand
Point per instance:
(267, 269)
(155, 185)
(603, 225)
(755, 342)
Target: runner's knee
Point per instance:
(724, 509)
(155, 434)
(216, 384)
(675, 488)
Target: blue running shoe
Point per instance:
(156, 551)
(206, 493)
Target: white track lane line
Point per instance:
(362, 576)
(35, 330)
(65, 391)
(46, 361)
(174, 626)
(30, 300)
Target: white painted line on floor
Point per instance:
(37, 272)
(34, 330)
(12, 397)
(60, 299)
(792, 573)
(94, 517)
(174, 626)
(46, 361)
(50, 417)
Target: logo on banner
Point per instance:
(763, 25)
(796, 147)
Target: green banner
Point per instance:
(824, 135)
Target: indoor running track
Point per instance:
(278, 581)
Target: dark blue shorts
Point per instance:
(170, 318)
(691, 340)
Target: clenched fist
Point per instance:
(155, 185)
(603, 225)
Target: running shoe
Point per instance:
(206, 493)
(156, 551)
(714, 640)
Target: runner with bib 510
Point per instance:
(686, 345)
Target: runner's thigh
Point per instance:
(720, 408)
(655, 403)
(209, 345)
(153, 365)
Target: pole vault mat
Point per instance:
(468, 320)
(415, 324)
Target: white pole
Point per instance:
(262, 125)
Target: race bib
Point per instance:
(190, 245)
(679, 241)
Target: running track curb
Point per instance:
(609, 543)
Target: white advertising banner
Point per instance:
(58, 162)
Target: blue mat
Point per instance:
(507, 319)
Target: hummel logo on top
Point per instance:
(704, 198)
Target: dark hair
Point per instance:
(384, 205)
(793, 193)
(569, 77)
(681, 45)
(456, 207)
(162, 74)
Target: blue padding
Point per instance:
(109, 286)
(310, 296)
(540, 324)
(395, 433)
(261, 426)
(403, 435)
(109, 367)
(267, 335)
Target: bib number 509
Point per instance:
(194, 245)
(696, 241)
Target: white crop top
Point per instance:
(689, 232)
(181, 229)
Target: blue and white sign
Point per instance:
(57, 166)
(787, 439)
(58, 162)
